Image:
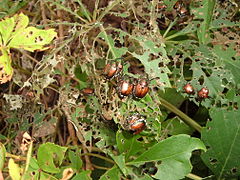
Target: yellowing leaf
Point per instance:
(32, 39)
(14, 33)
(6, 69)
(14, 170)
(2, 156)
(10, 26)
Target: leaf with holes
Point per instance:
(128, 144)
(50, 156)
(113, 173)
(205, 12)
(16, 34)
(174, 154)
(222, 137)
(230, 60)
(116, 52)
(6, 70)
(152, 68)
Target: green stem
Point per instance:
(108, 41)
(193, 176)
(169, 28)
(182, 115)
(99, 156)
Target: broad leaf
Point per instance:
(128, 144)
(16, 34)
(50, 156)
(6, 69)
(83, 175)
(230, 60)
(174, 154)
(205, 12)
(113, 174)
(14, 170)
(32, 39)
(176, 126)
(222, 137)
(2, 155)
(120, 161)
(9, 27)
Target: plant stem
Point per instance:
(20, 158)
(193, 176)
(99, 156)
(100, 167)
(182, 115)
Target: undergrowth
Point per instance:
(65, 114)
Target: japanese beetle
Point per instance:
(112, 69)
(141, 88)
(136, 123)
(180, 9)
(87, 91)
(188, 88)
(124, 88)
(203, 93)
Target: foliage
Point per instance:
(67, 118)
(14, 33)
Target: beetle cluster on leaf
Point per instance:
(126, 86)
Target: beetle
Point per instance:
(125, 88)
(203, 93)
(188, 88)
(141, 88)
(112, 69)
(180, 9)
(136, 123)
(87, 91)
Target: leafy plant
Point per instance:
(14, 33)
(61, 95)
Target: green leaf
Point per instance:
(205, 12)
(174, 154)
(222, 137)
(128, 144)
(2, 156)
(120, 161)
(76, 162)
(113, 174)
(14, 170)
(227, 55)
(116, 52)
(176, 126)
(85, 175)
(152, 68)
(50, 156)
(6, 70)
